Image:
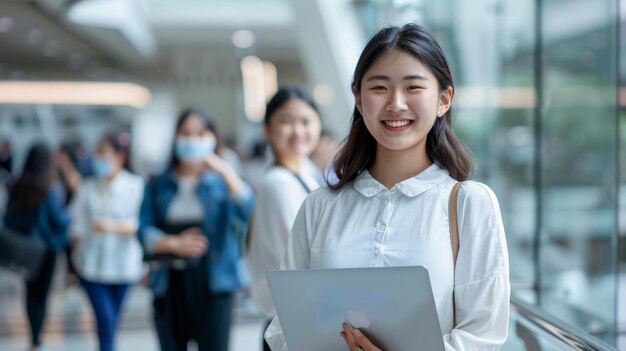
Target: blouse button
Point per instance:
(381, 228)
(376, 251)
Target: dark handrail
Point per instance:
(571, 336)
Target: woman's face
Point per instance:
(194, 141)
(105, 151)
(293, 129)
(400, 100)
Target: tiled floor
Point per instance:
(70, 325)
(245, 337)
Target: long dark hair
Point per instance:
(207, 121)
(358, 151)
(34, 183)
(284, 95)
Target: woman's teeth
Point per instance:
(396, 124)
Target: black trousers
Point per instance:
(37, 290)
(189, 311)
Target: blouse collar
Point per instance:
(425, 180)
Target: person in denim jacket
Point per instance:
(190, 216)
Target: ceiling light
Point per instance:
(73, 93)
(323, 94)
(243, 39)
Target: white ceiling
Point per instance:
(62, 48)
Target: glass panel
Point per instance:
(546, 147)
(621, 289)
(579, 143)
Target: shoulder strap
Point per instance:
(454, 226)
(454, 236)
(302, 183)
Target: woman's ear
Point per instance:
(445, 101)
(357, 99)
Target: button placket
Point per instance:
(381, 227)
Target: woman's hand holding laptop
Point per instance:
(355, 340)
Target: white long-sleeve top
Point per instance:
(279, 196)
(366, 225)
(108, 257)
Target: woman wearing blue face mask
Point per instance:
(107, 254)
(190, 213)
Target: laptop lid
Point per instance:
(393, 306)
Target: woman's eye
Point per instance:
(379, 87)
(414, 87)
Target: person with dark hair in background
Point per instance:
(70, 177)
(35, 208)
(292, 129)
(6, 156)
(396, 173)
(191, 212)
(107, 255)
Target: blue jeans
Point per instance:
(106, 300)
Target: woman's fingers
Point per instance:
(363, 341)
(350, 340)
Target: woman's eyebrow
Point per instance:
(416, 76)
(386, 78)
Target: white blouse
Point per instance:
(366, 225)
(279, 196)
(108, 257)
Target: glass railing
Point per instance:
(531, 329)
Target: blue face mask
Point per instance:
(102, 167)
(193, 148)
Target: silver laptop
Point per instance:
(393, 306)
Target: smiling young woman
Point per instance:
(389, 206)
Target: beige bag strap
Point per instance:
(454, 226)
(454, 236)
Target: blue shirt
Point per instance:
(48, 221)
(225, 218)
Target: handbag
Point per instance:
(21, 253)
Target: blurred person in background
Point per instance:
(6, 167)
(324, 154)
(35, 208)
(226, 151)
(190, 212)
(107, 255)
(292, 128)
(222, 148)
(70, 177)
(258, 160)
(6, 158)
